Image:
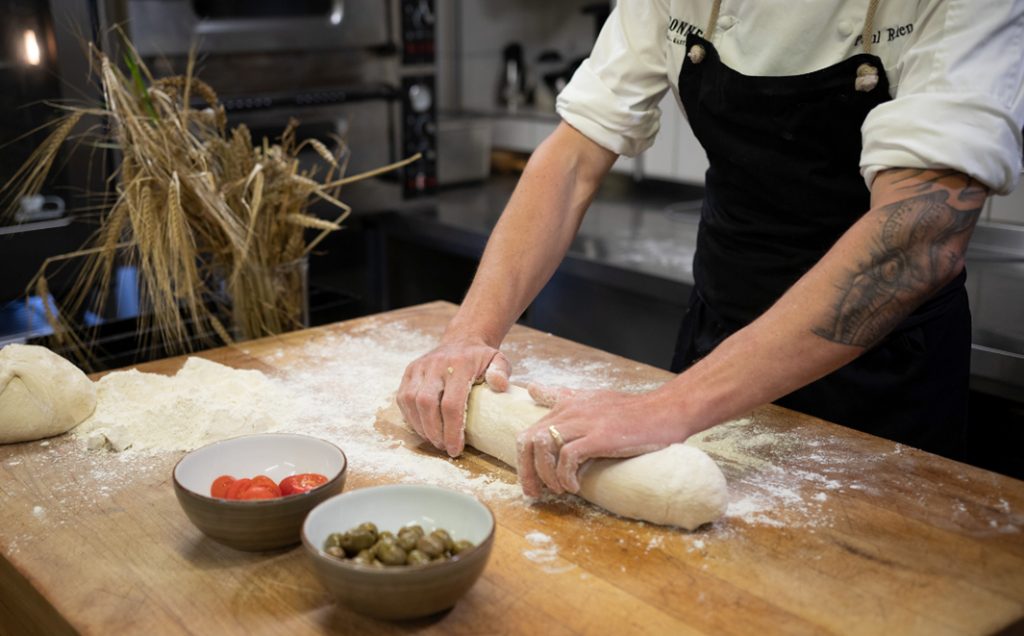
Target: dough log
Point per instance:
(678, 485)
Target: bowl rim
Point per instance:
(396, 570)
(261, 502)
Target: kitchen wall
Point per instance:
(1007, 209)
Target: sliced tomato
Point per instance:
(260, 492)
(262, 481)
(220, 486)
(236, 489)
(303, 482)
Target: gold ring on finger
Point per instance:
(555, 435)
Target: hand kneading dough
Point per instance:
(41, 394)
(678, 485)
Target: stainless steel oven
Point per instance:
(360, 69)
(42, 62)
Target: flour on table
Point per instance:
(573, 374)
(544, 551)
(204, 402)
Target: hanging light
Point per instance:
(33, 55)
(337, 13)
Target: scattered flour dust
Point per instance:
(544, 551)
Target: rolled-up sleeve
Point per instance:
(613, 96)
(959, 101)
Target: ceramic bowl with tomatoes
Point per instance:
(404, 591)
(253, 492)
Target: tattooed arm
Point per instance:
(923, 220)
(902, 251)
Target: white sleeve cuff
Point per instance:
(605, 118)
(967, 132)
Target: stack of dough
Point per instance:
(41, 394)
(678, 485)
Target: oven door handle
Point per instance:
(335, 18)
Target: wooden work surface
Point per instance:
(828, 530)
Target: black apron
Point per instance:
(783, 185)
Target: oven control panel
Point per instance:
(419, 134)
(417, 31)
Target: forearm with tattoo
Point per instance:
(918, 247)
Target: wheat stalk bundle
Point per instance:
(211, 220)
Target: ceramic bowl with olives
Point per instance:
(399, 551)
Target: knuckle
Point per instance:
(453, 398)
(425, 401)
(405, 398)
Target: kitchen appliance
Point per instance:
(361, 70)
(512, 94)
(41, 62)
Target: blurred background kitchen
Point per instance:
(471, 85)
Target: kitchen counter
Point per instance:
(641, 238)
(828, 530)
(648, 229)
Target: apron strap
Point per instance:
(867, 75)
(867, 36)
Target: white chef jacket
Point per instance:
(955, 70)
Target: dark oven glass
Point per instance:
(221, 9)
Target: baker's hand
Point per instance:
(588, 424)
(435, 389)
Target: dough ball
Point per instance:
(41, 394)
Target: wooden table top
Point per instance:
(829, 530)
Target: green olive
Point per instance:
(356, 540)
(417, 557)
(369, 527)
(446, 539)
(461, 546)
(335, 551)
(407, 540)
(413, 528)
(431, 546)
(390, 553)
(365, 557)
(382, 539)
(334, 539)
(387, 534)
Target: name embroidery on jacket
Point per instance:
(887, 34)
(678, 29)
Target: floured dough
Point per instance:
(41, 394)
(678, 485)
